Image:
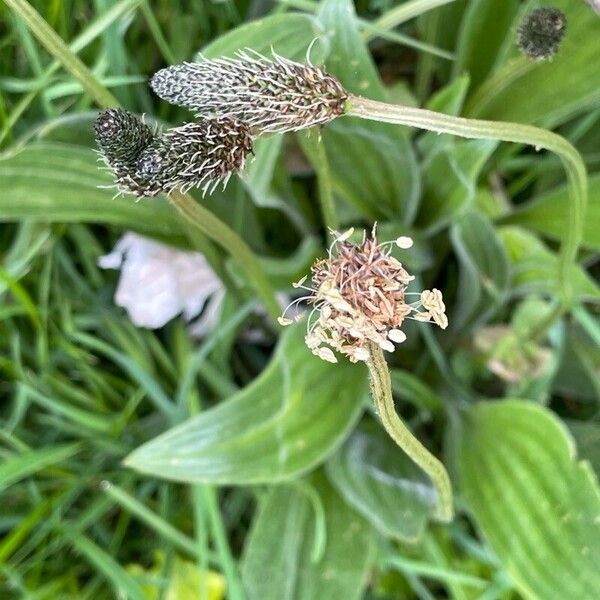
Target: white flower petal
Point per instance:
(159, 282)
(397, 335)
(404, 242)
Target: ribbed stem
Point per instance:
(507, 132)
(381, 390)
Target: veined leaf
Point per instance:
(484, 269)
(536, 505)
(60, 182)
(549, 212)
(289, 35)
(285, 422)
(551, 91)
(372, 164)
(382, 483)
(280, 562)
(535, 268)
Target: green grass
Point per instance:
(294, 491)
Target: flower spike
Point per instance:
(145, 163)
(269, 95)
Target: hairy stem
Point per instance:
(381, 390)
(202, 219)
(507, 132)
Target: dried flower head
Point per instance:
(269, 95)
(541, 32)
(359, 296)
(145, 163)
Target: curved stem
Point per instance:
(206, 222)
(508, 132)
(381, 391)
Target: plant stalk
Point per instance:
(206, 222)
(381, 390)
(365, 108)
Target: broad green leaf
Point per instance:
(23, 465)
(549, 212)
(484, 269)
(285, 422)
(450, 177)
(61, 182)
(289, 35)
(535, 268)
(548, 92)
(371, 168)
(587, 436)
(484, 27)
(372, 164)
(537, 506)
(379, 480)
(282, 560)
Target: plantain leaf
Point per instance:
(485, 25)
(289, 35)
(534, 267)
(284, 423)
(379, 480)
(372, 164)
(535, 504)
(484, 270)
(284, 558)
(450, 175)
(547, 92)
(549, 212)
(60, 182)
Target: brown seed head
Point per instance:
(360, 296)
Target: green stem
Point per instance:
(318, 158)
(203, 220)
(206, 222)
(508, 132)
(381, 391)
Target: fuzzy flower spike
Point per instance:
(145, 163)
(275, 95)
(359, 296)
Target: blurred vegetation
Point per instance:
(292, 489)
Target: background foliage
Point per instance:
(287, 486)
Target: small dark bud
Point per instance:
(268, 95)
(121, 135)
(541, 32)
(145, 163)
